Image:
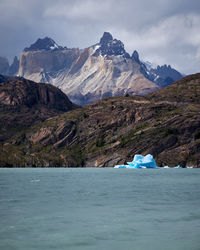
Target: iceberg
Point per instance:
(178, 166)
(140, 161)
(121, 166)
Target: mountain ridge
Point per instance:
(111, 131)
(44, 44)
(87, 75)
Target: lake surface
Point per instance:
(100, 209)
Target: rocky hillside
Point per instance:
(101, 70)
(24, 103)
(186, 90)
(165, 123)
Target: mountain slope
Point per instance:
(24, 103)
(185, 90)
(111, 131)
(164, 75)
(101, 70)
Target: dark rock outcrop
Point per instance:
(44, 44)
(24, 103)
(106, 38)
(110, 46)
(164, 75)
(28, 93)
(135, 56)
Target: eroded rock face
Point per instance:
(24, 103)
(102, 70)
(40, 64)
(25, 92)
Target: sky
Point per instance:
(162, 31)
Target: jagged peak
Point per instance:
(135, 56)
(109, 46)
(107, 37)
(15, 59)
(46, 43)
(164, 67)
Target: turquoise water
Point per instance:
(100, 209)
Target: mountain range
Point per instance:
(87, 75)
(40, 127)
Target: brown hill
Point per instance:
(111, 131)
(24, 103)
(185, 90)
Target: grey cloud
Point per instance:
(164, 31)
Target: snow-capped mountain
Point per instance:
(44, 44)
(109, 46)
(101, 70)
(164, 75)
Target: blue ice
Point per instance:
(140, 161)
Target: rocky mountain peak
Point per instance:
(164, 67)
(135, 56)
(14, 67)
(162, 75)
(44, 44)
(101, 70)
(106, 38)
(109, 46)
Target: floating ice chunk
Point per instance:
(121, 166)
(178, 166)
(35, 180)
(165, 167)
(140, 161)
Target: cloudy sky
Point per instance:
(162, 31)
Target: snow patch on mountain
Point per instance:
(44, 44)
